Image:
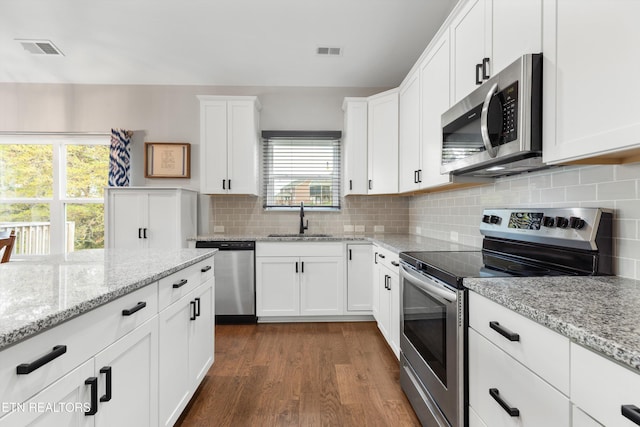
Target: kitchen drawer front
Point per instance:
(299, 249)
(180, 283)
(600, 387)
(542, 350)
(83, 336)
(580, 419)
(206, 269)
(389, 259)
(490, 368)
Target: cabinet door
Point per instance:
(394, 312)
(355, 146)
(590, 83)
(126, 219)
(242, 153)
(163, 222)
(277, 286)
(321, 286)
(131, 365)
(468, 38)
(359, 277)
(70, 395)
(383, 143)
(516, 29)
(201, 332)
(434, 81)
(384, 305)
(375, 283)
(174, 382)
(409, 144)
(213, 146)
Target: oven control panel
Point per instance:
(573, 227)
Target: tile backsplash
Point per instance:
(455, 215)
(359, 215)
(617, 187)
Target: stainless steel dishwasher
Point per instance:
(235, 291)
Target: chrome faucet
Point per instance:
(302, 226)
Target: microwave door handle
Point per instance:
(427, 286)
(484, 122)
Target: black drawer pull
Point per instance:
(139, 233)
(381, 256)
(511, 336)
(107, 392)
(93, 382)
(129, 311)
(205, 269)
(350, 257)
(395, 264)
(180, 284)
(514, 412)
(192, 310)
(296, 266)
(197, 307)
(631, 412)
(302, 267)
(478, 76)
(144, 233)
(27, 368)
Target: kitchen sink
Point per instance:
(299, 235)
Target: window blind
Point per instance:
(301, 167)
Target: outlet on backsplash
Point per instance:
(359, 228)
(348, 228)
(419, 231)
(218, 228)
(453, 236)
(378, 228)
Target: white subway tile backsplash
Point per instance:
(564, 177)
(618, 190)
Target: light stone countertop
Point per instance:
(598, 312)
(42, 292)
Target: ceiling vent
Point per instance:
(329, 51)
(40, 47)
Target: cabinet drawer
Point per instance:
(601, 387)
(180, 283)
(389, 259)
(83, 337)
(299, 249)
(491, 369)
(542, 350)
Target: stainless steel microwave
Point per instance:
(497, 129)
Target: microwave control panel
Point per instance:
(509, 99)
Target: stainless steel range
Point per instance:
(518, 243)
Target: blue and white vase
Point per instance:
(120, 158)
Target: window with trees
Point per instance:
(52, 191)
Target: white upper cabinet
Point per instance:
(383, 143)
(488, 35)
(354, 141)
(590, 58)
(229, 143)
(410, 144)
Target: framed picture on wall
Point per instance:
(167, 160)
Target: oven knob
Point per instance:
(494, 219)
(548, 221)
(577, 223)
(486, 219)
(562, 222)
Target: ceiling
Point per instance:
(218, 42)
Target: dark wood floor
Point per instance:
(300, 374)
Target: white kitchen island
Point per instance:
(104, 337)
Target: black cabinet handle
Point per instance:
(375, 258)
(395, 264)
(144, 233)
(224, 184)
(192, 310)
(229, 184)
(296, 266)
(350, 255)
(381, 256)
(139, 233)
(93, 382)
(478, 77)
(107, 392)
(511, 336)
(485, 72)
(631, 412)
(129, 311)
(180, 284)
(415, 177)
(205, 269)
(27, 368)
(302, 267)
(370, 184)
(419, 175)
(350, 184)
(197, 307)
(514, 412)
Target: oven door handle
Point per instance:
(430, 287)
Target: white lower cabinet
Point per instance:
(185, 349)
(359, 279)
(386, 294)
(288, 284)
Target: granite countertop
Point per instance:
(598, 312)
(42, 292)
(393, 242)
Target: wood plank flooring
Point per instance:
(300, 374)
